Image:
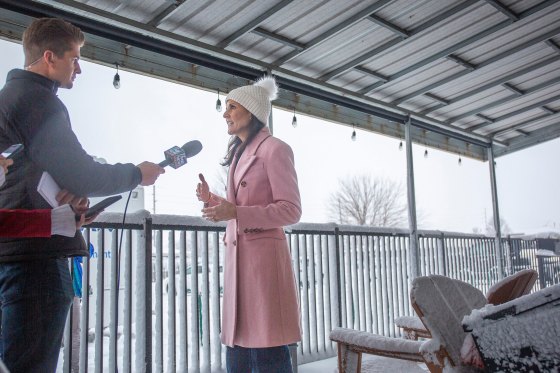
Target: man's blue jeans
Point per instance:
(258, 360)
(35, 297)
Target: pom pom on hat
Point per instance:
(256, 98)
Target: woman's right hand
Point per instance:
(202, 190)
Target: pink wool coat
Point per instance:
(260, 305)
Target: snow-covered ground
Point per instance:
(370, 364)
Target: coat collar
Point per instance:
(19, 74)
(253, 146)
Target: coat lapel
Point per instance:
(246, 160)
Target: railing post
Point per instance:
(144, 306)
(338, 274)
(148, 294)
(442, 254)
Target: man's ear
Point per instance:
(49, 56)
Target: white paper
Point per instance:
(48, 189)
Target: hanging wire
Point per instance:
(353, 137)
(400, 145)
(294, 119)
(426, 153)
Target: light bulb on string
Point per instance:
(294, 119)
(426, 153)
(117, 78)
(353, 137)
(218, 103)
(400, 145)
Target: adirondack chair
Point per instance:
(511, 287)
(441, 303)
(521, 335)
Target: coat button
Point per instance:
(234, 243)
(243, 183)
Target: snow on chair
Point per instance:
(521, 335)
(441, 303)
(511, 287)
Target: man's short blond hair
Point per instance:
(52, 34)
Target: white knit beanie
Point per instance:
(256, 98)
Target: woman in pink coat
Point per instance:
(260, 314)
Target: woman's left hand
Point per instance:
(223, 211)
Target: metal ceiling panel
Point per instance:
(471, 74)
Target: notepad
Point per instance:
(48, 189)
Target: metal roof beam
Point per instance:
(512, 88)
(358, 17)
(486, 118)
(372, 73)
(489, 61)
(536, 88)
(516, 112)
(517, 126)
(548, 110)
(553, 45)
(462, 62)
(496, 82)
(426, 25)
(503, 9)
(533, 138)
(388, 25)
(453, 48)
(163, 11)
(278, 38)
(437, 56)
(253, 24)
(437, 98)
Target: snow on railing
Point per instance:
(169, 302)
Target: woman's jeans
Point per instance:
(35, 297)
(258, 360)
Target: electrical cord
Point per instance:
(118, 258)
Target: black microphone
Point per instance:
(177, 156)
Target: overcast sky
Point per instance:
(147, 116)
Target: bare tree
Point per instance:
(504, 227)
(364, 200)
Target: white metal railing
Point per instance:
(170, 287)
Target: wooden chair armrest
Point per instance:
(369, 343)
(412, 327)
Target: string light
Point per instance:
(459, 162)
(218, 103)
(400, 145)
(426, 153)
(294, 119)
(353, 137)
(117, 78)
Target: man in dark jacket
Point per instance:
(35, 284)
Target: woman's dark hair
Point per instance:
(236, 147)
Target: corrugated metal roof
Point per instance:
(470, 74)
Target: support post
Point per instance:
(496, 211)
(413, 249)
